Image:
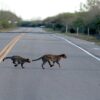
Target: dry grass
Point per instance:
(80, 36)
(85, 37)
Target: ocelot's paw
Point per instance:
(22, 67)
(51, 65)
(15, 65)
(43, 68)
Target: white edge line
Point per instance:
(78, 47)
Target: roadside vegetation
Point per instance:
(82, 36)
(83, 24)
(8, 20)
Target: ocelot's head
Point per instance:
(28, 60)
(63, 56)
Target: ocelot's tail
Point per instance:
(37, 59)
(6, 58)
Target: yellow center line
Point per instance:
(9, 46)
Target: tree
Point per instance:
(90, 5)
(8, 19)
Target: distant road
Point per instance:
(77, 79)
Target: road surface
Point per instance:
(77, 79)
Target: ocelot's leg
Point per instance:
(13, 61)
(44, 62)
(15, 64)
(53, 63)
(58, 64)
(50, 64)
(22, 65)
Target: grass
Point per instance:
(80, 36)
(85, 37)
(7, 29)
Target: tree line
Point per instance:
(86, 20)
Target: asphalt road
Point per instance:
(77, 79)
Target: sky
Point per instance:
(40, 9)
